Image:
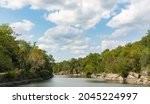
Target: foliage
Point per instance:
(20, 60)
(132, 57)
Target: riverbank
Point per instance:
(133, 78)
(22, 82)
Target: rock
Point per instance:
(139, 81)
(145, 72)
(111, 76)
(143, 80)
(136, 75)
(131, 81)
(121, 79)
(133, 75)
(102, 76)
(148, 83)
(93, 75)
(132, 78)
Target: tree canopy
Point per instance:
(22, 60)
(133, 57)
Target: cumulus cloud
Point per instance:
(59, 34)
(23, 28)
(85, 14)
(136, 13)
(27, 37)
(134, 18)
(79, 13)
(74, 17)
(111, 44)
(64, 38)
(15, 4)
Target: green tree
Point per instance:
(5, 60)
(9, 46)
(24, 51)
(36, 59)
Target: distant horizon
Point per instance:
(75, 28)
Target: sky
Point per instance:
(74, 28)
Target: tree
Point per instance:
(5, 30)
(24, 51)
(131, 57)
(145, 57)
(9, 46)
(36, 59)
(20, 60)
(5, 60)
(89, 69)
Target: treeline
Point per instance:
(133, 57)
(20, 60)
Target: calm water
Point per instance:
(67, 81)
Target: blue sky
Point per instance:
(75, 28)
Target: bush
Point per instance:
(44, 73)
(12, 75)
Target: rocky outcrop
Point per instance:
(110, 76)
(141, 78)
(132, 78)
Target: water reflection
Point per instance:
(69, 81)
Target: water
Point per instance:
(67, 81)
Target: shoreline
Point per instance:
(22, 82)
(132, 78)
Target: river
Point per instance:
(68, 81)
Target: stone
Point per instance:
(93, 75)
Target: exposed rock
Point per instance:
(111, 76)
(94, 75)
(121, 79)
(145, 72)
(133, 78)
(131, 81)
(143, 80)
(133, 75)
(148, 83)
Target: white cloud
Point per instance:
(64, 39)
(73, 17)
(84, 14)
(123, 32)
(15, 4)
(77, 13)
(133, 19)
(137, 13)
(60, 33)
(34, 4)
(23, 26)
(28, 38)
(111, 44)
(78, 45)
